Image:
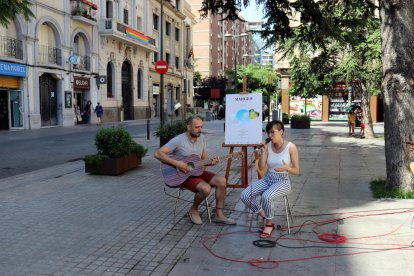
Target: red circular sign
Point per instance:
(161, 66)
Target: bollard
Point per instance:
(224, 127)
(148, 129)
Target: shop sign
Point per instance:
(214, 93)
(155, 90)
(81, 83)
(12, 69)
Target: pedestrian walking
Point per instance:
(87, 112)
(99, 112)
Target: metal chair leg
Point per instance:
(288, 212)
(176, 203)
(208, 210)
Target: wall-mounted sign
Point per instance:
(12, 69)
(101, 79)
(155, 89)
(68, 99)
(74, 59)
(81, 83)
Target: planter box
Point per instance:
(115, 166)
(299, 124)
(285, 121)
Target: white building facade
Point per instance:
(75, 51)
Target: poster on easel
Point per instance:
(243, 119)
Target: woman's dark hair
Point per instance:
(278, 123)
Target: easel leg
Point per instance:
(228, 165)
(244, 168)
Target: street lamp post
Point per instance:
(162, 117)
(235, 54)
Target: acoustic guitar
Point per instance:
(173, 177)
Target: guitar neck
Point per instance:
(208, 161)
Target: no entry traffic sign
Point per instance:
(161, 67)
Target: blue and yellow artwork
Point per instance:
(244, 116)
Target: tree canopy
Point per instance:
(319, 23)
(9, 9)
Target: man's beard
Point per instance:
(194, 135)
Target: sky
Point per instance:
(252, 13)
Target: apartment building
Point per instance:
(219, 45)
(37, 77)
(79, 51)
(177, 44)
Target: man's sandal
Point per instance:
(265, 235)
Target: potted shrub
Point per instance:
(300, 121)
(285, 118)
(117, 152)
(169, 130)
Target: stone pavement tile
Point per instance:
(384, 263)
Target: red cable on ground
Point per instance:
(332, 238)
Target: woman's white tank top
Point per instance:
(274, 160)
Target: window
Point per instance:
(167, 28)
(177, 62)
(139, 23)
(109, 9)
(126, 16)
(177, 34)
(76, 45)
(177, 94)
(167, 58)
(140, 84)
(177, 5)
(155, 57)
(155, 20)
(109, 87)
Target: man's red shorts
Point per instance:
(192, 182)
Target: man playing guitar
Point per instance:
(188, 143)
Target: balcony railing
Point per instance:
(109, 25)
(50, 55)
(11, 47)
(85, 9)
(84, 63)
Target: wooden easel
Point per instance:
(244, 169)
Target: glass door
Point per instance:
(16, 109)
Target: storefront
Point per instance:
(81, 88)
(309, 106)
(339, 102)
(11, 98)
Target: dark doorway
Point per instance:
(4, 110)
(48, 100)
(380, 109)
(127, 99)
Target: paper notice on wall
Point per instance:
(243, 119)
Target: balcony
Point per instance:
(49, 55)
(113, 29)
(84, 11)
(84, 63)
(11, 48)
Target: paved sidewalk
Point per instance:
(61, 221)
(334, 180)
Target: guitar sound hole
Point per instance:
(190, 166)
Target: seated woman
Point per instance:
(281, 158)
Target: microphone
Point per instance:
(267, 141)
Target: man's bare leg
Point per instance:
(219, 182)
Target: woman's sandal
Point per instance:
(267, 235)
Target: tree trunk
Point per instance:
(367, 119)
(397, 25)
